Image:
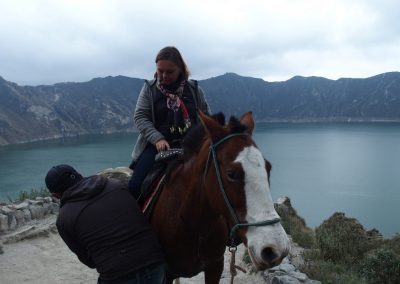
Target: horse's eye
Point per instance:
(234, 175)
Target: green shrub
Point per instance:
(381, 266)
(342, 240)
(294, 225)
(330, 273)
(301, 235)
(393, 244)
(32, 194)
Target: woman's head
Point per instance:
(170, 66)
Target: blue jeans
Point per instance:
(155, 274)
(143, 166)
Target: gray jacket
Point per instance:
(144, 116)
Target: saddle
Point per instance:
(151, 186)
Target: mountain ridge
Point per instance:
(106, 105)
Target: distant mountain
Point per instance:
(105, 105)
(308, 98)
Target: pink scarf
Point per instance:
(175, 101)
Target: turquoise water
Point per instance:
(323, 168)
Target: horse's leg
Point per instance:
(212, 250)
(213, 271)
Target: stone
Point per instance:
(12, 222)
(298, 275)
(3, 223)
(48, 199)
(284, 200)
(37, 202)
(21, 206)
(46, 208)
(27, 215)
(37, 211)
(285, 267)
(20, 217)
(285, 279)
(6, 210)
(54, 207)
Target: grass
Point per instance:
(32, 194)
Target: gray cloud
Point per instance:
(57, 41)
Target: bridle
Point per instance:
(213, 153)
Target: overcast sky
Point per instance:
(50, 41)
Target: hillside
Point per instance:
(105, 105)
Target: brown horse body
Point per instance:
(191, 217)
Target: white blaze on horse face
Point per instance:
(267, 244)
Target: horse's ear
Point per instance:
(248, 120)
(212, 127)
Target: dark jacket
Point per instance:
(102, 224)
(145, 116)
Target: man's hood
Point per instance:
(85, 189)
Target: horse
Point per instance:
(217, 195)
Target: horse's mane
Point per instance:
(195, 138)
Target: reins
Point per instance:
(213, 153)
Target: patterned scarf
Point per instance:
(174, 103)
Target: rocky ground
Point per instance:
(31, 251)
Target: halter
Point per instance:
(213, 152)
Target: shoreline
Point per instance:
(343, 120)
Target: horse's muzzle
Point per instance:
(269, 257)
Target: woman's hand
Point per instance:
(162, 145)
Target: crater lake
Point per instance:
(323, 167)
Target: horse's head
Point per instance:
(237, 184)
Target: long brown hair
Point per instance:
(171, 53)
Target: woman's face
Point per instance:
(167, 72)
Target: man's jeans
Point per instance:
(155, 274)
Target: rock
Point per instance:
(3, 223)
(121, 173)
(48, 199)
(46, 208)
(21, 206)
(20, 217)
(37, 211)
(54, 208)
(284, 279)
(286, 273)
(6, 210)
(299, 276)
(27, 215)
(12, 222)
(37, 202)
(286, 267)
(13, 216)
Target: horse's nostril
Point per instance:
(268, 255)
